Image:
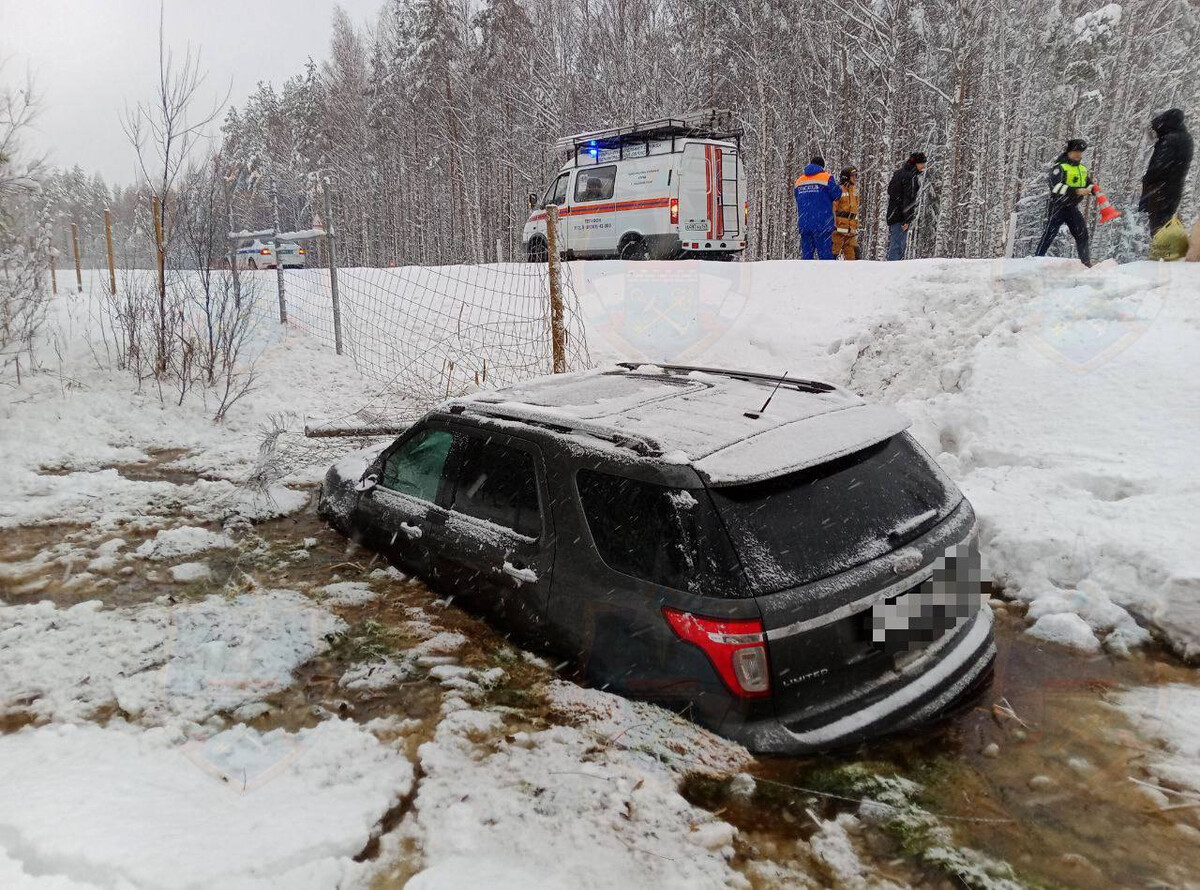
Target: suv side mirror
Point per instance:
(532, 200)
(366, 483)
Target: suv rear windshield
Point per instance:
(804, 526)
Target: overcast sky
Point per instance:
(92, 57)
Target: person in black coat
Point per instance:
(1162, 186)
(903, 189)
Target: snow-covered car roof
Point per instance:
(709, 418)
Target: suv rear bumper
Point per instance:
(938, 680)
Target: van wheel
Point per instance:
(536, 251)
(635, 248)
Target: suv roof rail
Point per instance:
(705, 123)
(644, 446)
(811, 385)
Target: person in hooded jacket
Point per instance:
(1070, 183)
(1162, 186)
(903, 189)
(815, 192)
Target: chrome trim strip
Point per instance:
(918, 577)
(969, 646)
(736, 639)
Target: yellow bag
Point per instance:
(1170, 242)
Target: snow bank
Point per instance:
(85, 424)
(666, 738)
(1066, 629)
(550, 810)
(1169, 717)
(90, 807)
(348, 593)
(155, 662)
(185, 541)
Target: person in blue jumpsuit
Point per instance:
(815, 193)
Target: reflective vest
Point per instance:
(845, 211)
(1075, 177)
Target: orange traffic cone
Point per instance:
(1107, 212)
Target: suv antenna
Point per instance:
(755, 415)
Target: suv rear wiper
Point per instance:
(910, 527)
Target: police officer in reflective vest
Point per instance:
(1069, 185)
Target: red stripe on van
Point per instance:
(720, 202)
(708, 194)
(608, 207)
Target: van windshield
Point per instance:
(826, 519)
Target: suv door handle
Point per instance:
(411, 531)
(520, 573)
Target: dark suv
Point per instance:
(796, 575)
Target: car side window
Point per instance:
(498, 483)
(595, 185)
(557, 193)
(667, 536)
(415, 468)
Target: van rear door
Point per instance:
(710, 192)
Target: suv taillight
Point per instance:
(674, 211)
(745, 213)
(737, 649)
(266, 251)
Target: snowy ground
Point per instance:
(182, 671)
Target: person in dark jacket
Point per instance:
(815, 192)
(1070, 183)
(1162, 186)
(902, 203)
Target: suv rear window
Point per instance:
(667, 536)
(804, 526)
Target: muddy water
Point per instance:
(1080, 823)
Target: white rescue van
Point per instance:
(657, 190)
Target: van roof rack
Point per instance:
(706, 123)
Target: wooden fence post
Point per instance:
(75, 245)
(558, 333)
(278, 256)
(112, 268)
(159, 253)
(333, 282)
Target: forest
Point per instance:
(436, 120)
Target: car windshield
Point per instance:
(804, 526)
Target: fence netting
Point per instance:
(419, 334)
